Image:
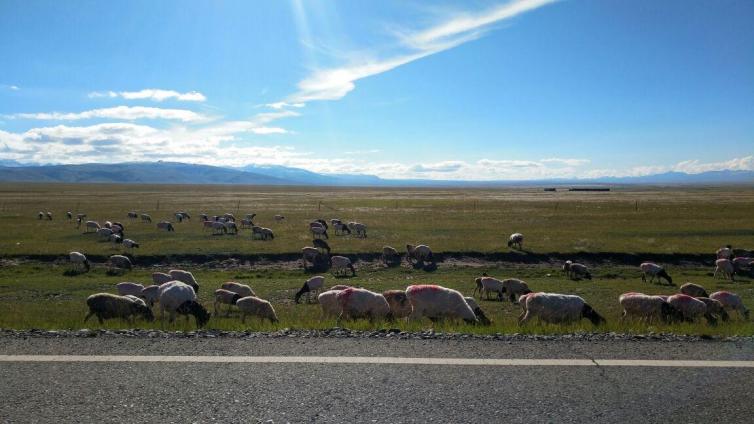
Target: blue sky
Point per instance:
(450, 90)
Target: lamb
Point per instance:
(559, 309)
(487, 285)
(654, 270)
(477, 311)
(725, 268)
(420, 253)
(437, 303)
(91, 225)
(577, 270)
(516, 239)
(165, 225)
(185, 277)
(360, 230)
(362, 303)
(160, 278)
(400, 307)
(328, 301)
(694, 290)
(691, 308)
(515, 288)
(239, 288)
(106, 306)
(226, 297)
(146, 218)
(130, 244)
(178, 297)
(715, 308)
(321, 244)
(725, 252)
(389, 255)
(78, 259)
(120, 262)
(340, 266)
(648, 308)
(313, 284)
(261, 308)
(731, 301)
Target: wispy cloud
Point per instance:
(128, 113)
(566, 161)
(282, 105)
(154, 94)
(9, 87)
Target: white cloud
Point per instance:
(745, 163)
(154, 94)
(282, 105)
(566, 161)
(10, 87)
(128, 113)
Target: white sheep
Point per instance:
(255, 306)
(328, 301)
(120, 263)
(725, 252)
(104, 233)
(130, 244)
(421, 253)
(105, 306)
(647, 308)
(165, 225)
(226, 297)
(312, 255)
(318, 230)
(126, 287)
(577, 270)
(341, 265)
(341, 229)
(691, 308)
(151, 294)
(116, 239)
(239, 288)
(559, 309)
(267, 234)
(362, 303)
(487, 285)
(136, 299)
(218, 228)
(160, 278)
(69, 215)
(438, 303)
(653, 270)
(185, 277)
(78, 260)
(92, 225)
(389, 254)
(515, 288)
(400, 307)
(360, 230)
(48, 214)
(693, 290)
(231, 227)
(179, 298)
(715, 308)
(516, 239)
(146, 218)
(313, 284)
(278, 217)
(731, 301)
(725, 268)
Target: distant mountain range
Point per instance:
(183, 173)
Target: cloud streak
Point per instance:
(154, 94)
(128, 113)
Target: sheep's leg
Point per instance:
(89, 315)
(525, 319)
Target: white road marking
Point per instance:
(384, 360)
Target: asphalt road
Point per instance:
(243, 392)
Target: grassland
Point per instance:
(37, 293)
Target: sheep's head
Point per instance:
(670, 313)
(235, 298)
(145, 312)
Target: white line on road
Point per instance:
(383, 360)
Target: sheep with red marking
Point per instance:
(731, 301)
(691, 308)
(648, 308)
(725, 268)
(225, 297)
(398, 301)
(313, 284)
(437, 303)
(654, 271)
(252, 305)
(362, 303)
(239, 288)
(328, 301)
(556, 308)
(693, 290)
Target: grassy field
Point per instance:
(629, 220)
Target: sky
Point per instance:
(475, 90)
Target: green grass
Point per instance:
(39, 295)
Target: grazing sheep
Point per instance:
(477, 311)
(360, 230)
(487, 285)
(81, 216)
(725, 252)
(654, 270)
(328, 301)
(218, 228)
(136, 299)
(567, 268)
(48, 214)
(180, 298)
(91, 225)
(130, 244)
(400, 307)
(78, 260)
(165, 225)
(231, 227)
(278, 217)
(151, 294)
(516, 239)
(577, 270)
(437, 303)
(515, 288)
(229, 217)
(132, 215)
(313, 284)
(340, 266)
(267, 234)
(644, 307)
(185, 277)
(256, 232)
(120, 263)
(340, 287)
(715, 308)
(362, 303)
(318, 231)
(725, 268)
(420, 253)
(146, 218)
(105, 306)
(40, 215)
(556, 308)
(312, 255)
(108, 225)
(125, 288)
(389, 255)
(341, 229)
(694, 290)
(731, 301)
(104, 233)
(334, 221)
(239, 288)
(226, 297)
(247, 223)
(69, 215)
(203, 217)
(117, 228)
(160, 278)
(691, 308)
(743, 263)
(255, 306)
(321, 244)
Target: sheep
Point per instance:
(577, 270)
(400, 307)
(48, 214)
(81, 216)
(313, 284)
(229, 217)
(334, 221)
(179, 297)
(360, 230)
(40, 215)
(648, 308)
(165, 225)
(250, 216)
(120, 263)
(185, 277)
(204, 217)
(117, 228)
(725, 252)
(567, 268)
(239, 288)
(516, 239)
(487, 285)
(231, 227)
(184, 215)
(251, 305)
(341, 229)
(328, 301)
(136, 299)
(246, 223)
(69, 215)
(130, 244)
(78, 259)
(477, 311)
(267, 234)
(340, 266)
(556, 308)
(161, 278)
(104, 233)
(362, 303)
(106, 306)
(691, 308)
(151, 294)
(108, 225)
(91, 225)
(389, 254)
(318, 231)
(321, 244)
(146, 218)
(743, 253)
(715, 308)
(731, 301)
(226, 297)
(256, 232)
(340, 287)
(693, 290)
(725, 268)
(654, 270)
(313, 255)
(522, 303)
(125, 288)
(743, 263)
(278, 217)
(218, 228)
(420, 253)
(132, 215)
(437, 303)
(515, 288)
